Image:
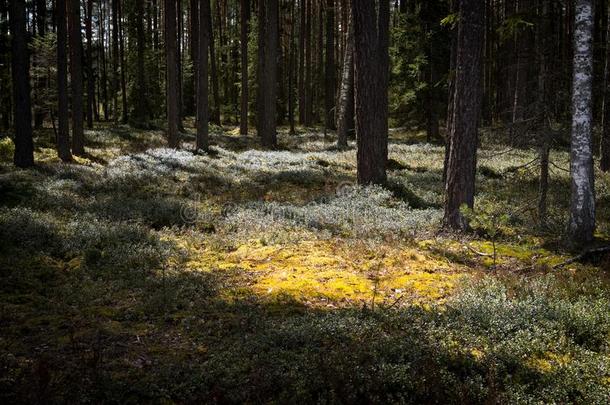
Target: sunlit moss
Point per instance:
(323, 272)
(549, 362)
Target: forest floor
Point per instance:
(141, 273)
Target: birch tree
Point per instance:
(582, 208)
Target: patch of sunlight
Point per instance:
(508, 253)
(330, 273)
(549, 362)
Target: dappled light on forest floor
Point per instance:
(145, 272)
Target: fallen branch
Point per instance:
(573, 259)
(582, 256)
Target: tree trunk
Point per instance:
(302, 33)
(244, 11)
(202, 78)
(90, 77)
(455, 7)
(125, 116)
(103, 43)
(330, 80)
(171, 59)
(63, 114)
(214, 71)
(371, 61)
(141, 103)
(76, 76)
(269, 118)
(605, 141)
(582, 211)
(115, 74)
(291, 66)
(20, 69)
(460, 187)
(260, 68)
(346, 96)
(543, 32)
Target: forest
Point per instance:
(305, 201)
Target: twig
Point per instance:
(478, 253)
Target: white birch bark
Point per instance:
(582, 210)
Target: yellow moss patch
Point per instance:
(316, 272)
(549, 362)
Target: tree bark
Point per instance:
(244, 11)
(460, 187)
(90, 77)
(605, 141)
(582, 209)
(125, 115)
(20, 69)
(454, 7)
(330, 80)
(141, 103)
(76, 76)
(269, 117)
(302, 33)
(63, 114)
(346, 96)
(371, 61)
(214, 71)
(171, 59)
(202, 79)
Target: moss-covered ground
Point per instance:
(143, 274)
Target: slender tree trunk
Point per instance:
(346, 96)
(171, 56)
(460, 187)
(214, 72)
(302, 34)
(582, 212)
(371, 61)
(260, 67)
(115, 74)
(76, 75)
(291, 67)
(194, 55)
(20, 69)
(141, 103)
(40, 82)
(202, 79)
(455, 7)
(125, 116)
(63, 114)
(103, 43)
(90, 77)
(543, 32)
(308, 65)
(244, 11)
(605, 141)
(330, 80)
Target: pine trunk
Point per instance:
(202, 79)
(346, 96)
(20, 69)
(172, 73)
(371, 61)
(460, 187)
(63, 113)
(244, 11)
(76, 76)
